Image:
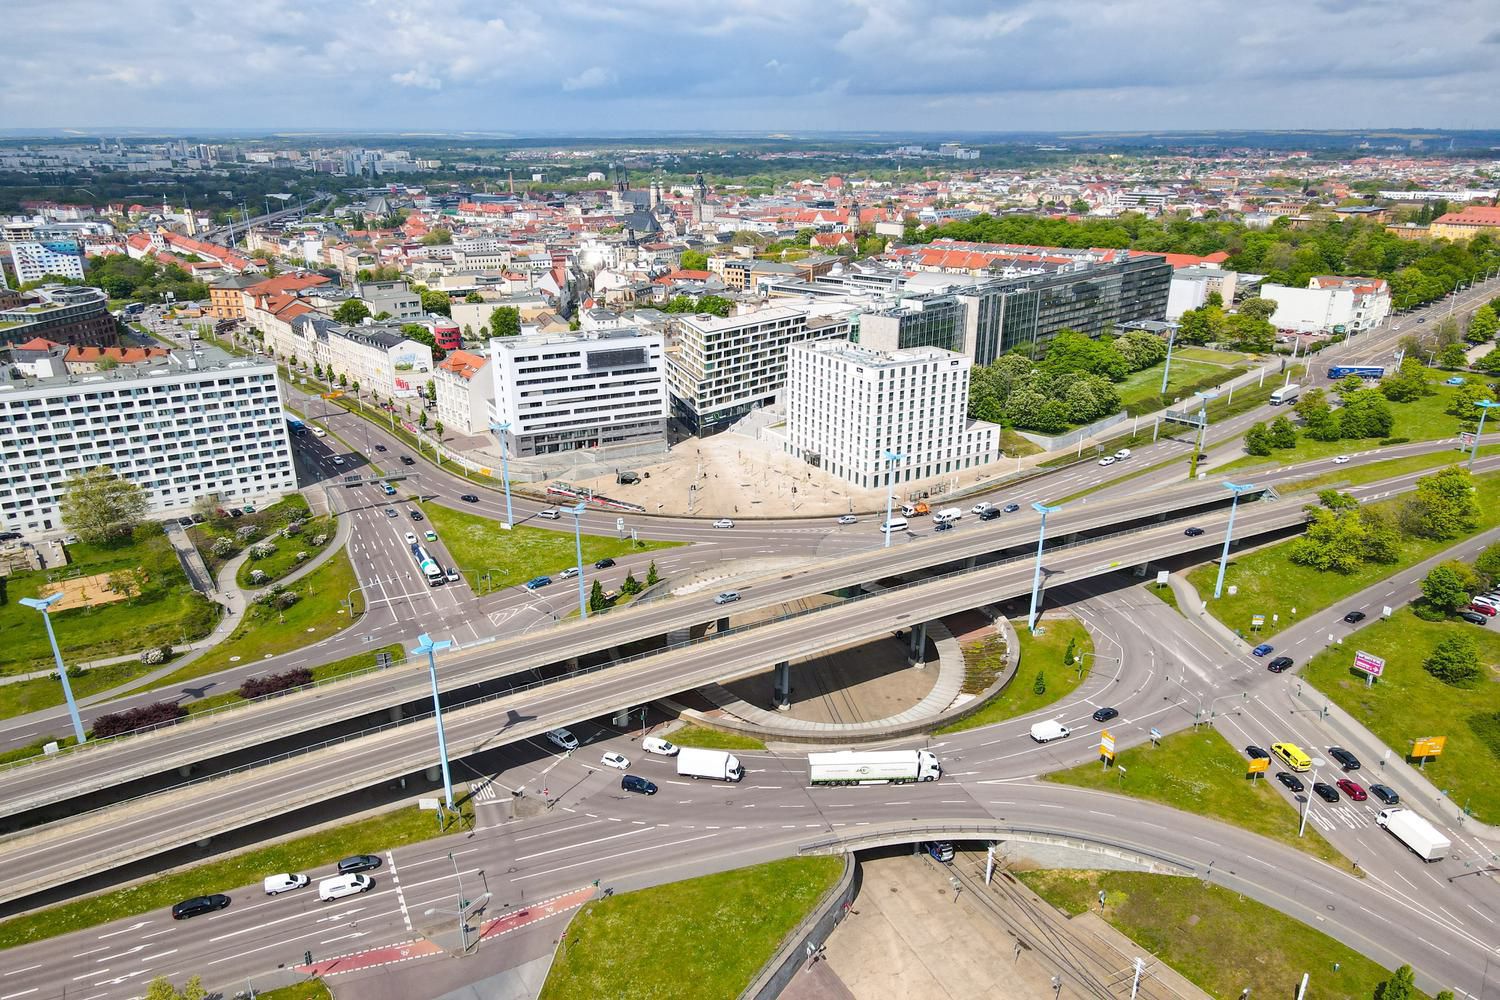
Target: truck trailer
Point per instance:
(872, 767)
(720, 765)
(1286, 394)
(1415, 832)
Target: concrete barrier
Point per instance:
(808, 936)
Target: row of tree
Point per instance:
(1247, 329)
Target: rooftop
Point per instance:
(173, 366)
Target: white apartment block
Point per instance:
(718, 370)
(194, 424)
(465, 392)
(33, 261)
(561, 392)
(848, 405)
(1330, 304)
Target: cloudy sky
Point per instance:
(581, 65)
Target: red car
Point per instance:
(1483, 609)
(1351, 789)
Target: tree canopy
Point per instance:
(1443, 506)
(351, 311)
(102, 507)
(505, 321)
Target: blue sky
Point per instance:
(568, 65)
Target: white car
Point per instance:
(1107, 460)
(564, 739)
(1340, 460)
(344, 885)
(277, 884)
(848, 519)
(338, 460)
(568, 573)
(1122, 454)
(615, 760)
(411, 539)
(980, 507)
(551, 514)
(723, 522)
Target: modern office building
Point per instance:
(75, 315)
(847, 405)
(185, 426)
(394, 297)
(35, 260)
(718, 370)
(604, 389)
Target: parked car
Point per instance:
(1291, 781)
(727, 597)
(1264, 649)
(1351, 789)
(1280, 663)
(1346, 760)
(275, 885)
(186, 522)
(537, 581)
(1256, 753)
(199, 904)
(359, 863)
(723, 522)
(1325, 791)
(1489, 611)
(848, 519)
(1192, 532)
(1011, 508)
(604, 563)
(1474, 618)
(1354, 617)
(1385, 793)
(1105, 714)
(563, 739)
(615, 760)
(1455, 380)
(939, 850)
(469, 498)
(637, 784)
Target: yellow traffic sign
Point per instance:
(1257, 765)
(1106, 741)
(1429, 746)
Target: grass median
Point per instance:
(406, 825)
(713, 739)
(1218, 939)
(704, 937)
(1344, 476)
(1042, 656)
(1197, 771)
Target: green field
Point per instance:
(491, 558)
(1042, 653)
(407, 825)
(269, 520)
(1210, 355)
(1164, 594)
(313, 989)
(702, 939)
(1344, 476)
(1199, 772)
(1145, 385)
(266, 632)
(164, 611)
(1218, 939)
(281, 562)
(713, 739)
(1270, 583)
(1408, 702)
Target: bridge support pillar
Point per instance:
(433, 773)
(204, 842)
(916, 654)
(723, 624)
(395, 713)
(680, 637)
(572, 664)
(969, 562)
(185, 770)
(781, 692)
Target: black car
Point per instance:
(198, 518)
(408, 460)
(199, 904)
(1385, 793)
(1256, 753)
(416, 515)
(186, 522)
(1011, 508)
(1474, 618)
(1193, 532)
(1105, 714)
(236, 512)
(380, 447)
(469, 498)
(989, 513)
(358, 863)
(604, 563)
(943, 526)
(632, 783)
(1325, 791)
(1346, 760)
(9, 536)
(1354, 617)
(1279, 664)
(1290, 780)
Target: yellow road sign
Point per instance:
(1429, 746)
(1257, 765)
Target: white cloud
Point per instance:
(591, 78)
(417, 78)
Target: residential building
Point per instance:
(75, 315)
(848, 405)
(718, 370)
(1466, 224)
(465, 392)
(601, 390)
(35, 260)
(1191, 287)
(393, 297)
(382, 359)
(190, 425)
(1330, 304)
(225, 300)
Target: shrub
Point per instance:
(286, 598)
(246, 532)
(302, 556)
(259, 687)
(1039, 686)
(258, 576)
(318, 540)
(261, 549)
(156, 654)
(222, 546)
(115, 723)
(294, 528)
(1390, 441)
(1455, 661)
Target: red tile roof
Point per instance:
(463, 364)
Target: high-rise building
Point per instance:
(35, 260)
(75, 315)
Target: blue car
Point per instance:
(1263, 649)
(539, 581)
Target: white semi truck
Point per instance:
(720, 765)
(1415, 832)
(872, 767)
(1286, 394)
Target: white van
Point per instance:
(894, 524)
(657, 745)
(1122, 454)
(275, 885)
(344, 885)
(319, 432)
(948, 514)
(551, 514)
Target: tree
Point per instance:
(1444, 505)
(631, 585)
(1487, 565)
(1454, 661)
(1317, 416)
(1401, 986)
(1246, 332)
(1283, 434)
(1039, 686)
(343, 380)
(1202, 325)
(692, 260)
(317, 370)
(597, 602)
(1462, 405)
(505, 321)
(434, 301)
(1258, 439)
(1453, 356)
(1258, 308)
(474, 297)
(123, 582)
(1483, 325)
(652, 577)
(437, 428)
(1405, 384)
(422, 419)
(1071, 351)
(161, 988)
(351, 312)
(101, 507)
(1447, 586)
(1366, 414)
(437, 237)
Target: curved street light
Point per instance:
(1036, 579)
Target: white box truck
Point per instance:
(1286, 394)
(1048, 730)
(1415, 832)
(872, 767)
(720, 765)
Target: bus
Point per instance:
(295, 426)
(1292, 756)
(1336, 372)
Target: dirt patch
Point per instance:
(92, 591)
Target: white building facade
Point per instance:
(381, 359)
(1330, 304)
(33, 261)
(465, 392)
(562, 392)
(195, 425)
(847, 406)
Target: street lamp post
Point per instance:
(891, 458)
(1484, 408)
(44, 605)
(1167, 367)
(425, 644)
(577, 512)
(1205, 396)
(1228, 534)
(500, 430)
(1036, 579)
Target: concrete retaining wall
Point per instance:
(808, 937)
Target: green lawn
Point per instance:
(1218, 939)
(1344, 476)
(480, 546)
(1210, 355)
(713, 739)
(45, 692)
(1146, 384)
(1165, 594)
(702, 939)
(266, 632)
(1408, 702)
(281, 562)
(165, 611)
(407, 825)
(1270, 583)
(1042, 653)
(313, 989)
(1199, 772)
(269, 520)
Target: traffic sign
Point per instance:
(1256, 621)
(1155, 735)
(1106, 742)
(1369, 663)
(1257, 765)
(1429, 746)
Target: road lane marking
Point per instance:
(612, 857)
(17, 972)
(590, 843)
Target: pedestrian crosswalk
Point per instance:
(1347, 816)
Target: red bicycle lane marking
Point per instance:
(358, 960)
(535, 912)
